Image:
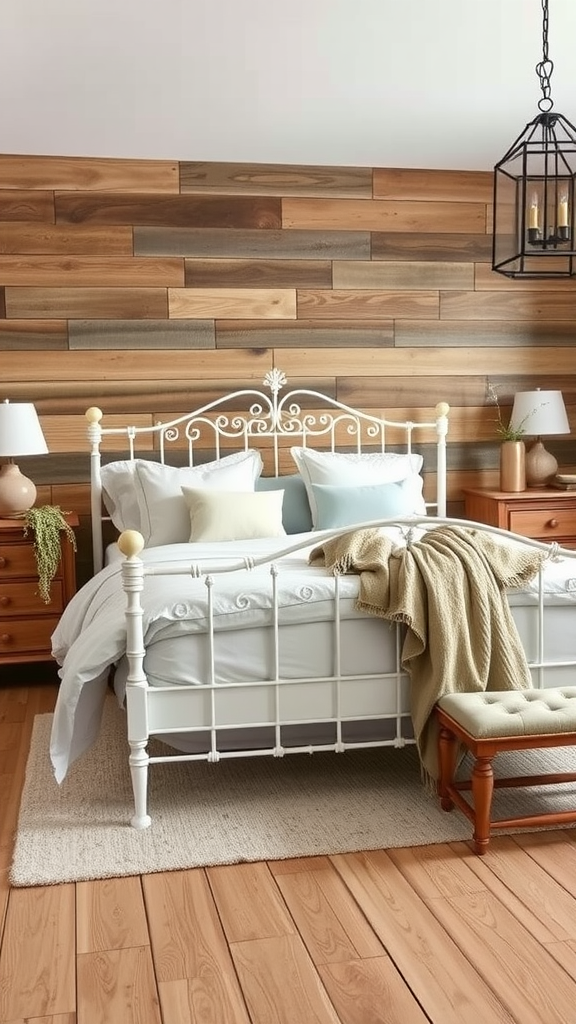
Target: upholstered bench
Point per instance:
(488, 723)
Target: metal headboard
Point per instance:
(269, 418)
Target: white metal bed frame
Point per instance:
(343, 699)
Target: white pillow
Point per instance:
(234, 515)
(345, 469)
(164, 517)
(119, 494)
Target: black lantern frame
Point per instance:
(534, 191)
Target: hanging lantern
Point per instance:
(534, 191)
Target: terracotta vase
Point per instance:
(513, 466)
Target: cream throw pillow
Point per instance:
(234, 515)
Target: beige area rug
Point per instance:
(237, 810)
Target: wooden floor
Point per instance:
(424, 934)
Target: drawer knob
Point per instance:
(5, 638)
(4, 601)
(553, 523)
(3, 562)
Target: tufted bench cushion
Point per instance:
(488, 723)
(513, 712)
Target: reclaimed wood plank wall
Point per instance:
(145, 287)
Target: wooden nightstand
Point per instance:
(26, 622)
(546, 514)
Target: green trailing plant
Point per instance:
(48, 523)
(504, 430)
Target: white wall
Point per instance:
(406, 83)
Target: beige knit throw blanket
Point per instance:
(449, 589)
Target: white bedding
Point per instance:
(91, 635)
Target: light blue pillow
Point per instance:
(296, 515)
(343, 506)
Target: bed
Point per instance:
(217, 617)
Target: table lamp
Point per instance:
(539, 414)
(20, 434)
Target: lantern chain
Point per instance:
(545, 67)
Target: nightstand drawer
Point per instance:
(544, 523)
(17, 560)
(24, 599)
(22, 635)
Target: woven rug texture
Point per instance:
(249, 809)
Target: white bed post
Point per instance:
(131, 543)
(442, 410)
(94, 415)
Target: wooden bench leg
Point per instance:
(482, 791)
(447, 750)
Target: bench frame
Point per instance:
(483, 783)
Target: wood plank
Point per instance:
(110, 914)
(424, 362)
(295, 864)
(383, 215)
(87, 303)
(91, 271)
(65, 239)
(565, 954)
(178, 211)
(433, 185)
(441, 978)
(396, 275)
(203, 303)
(302, 334)
(327, 918)
(95, 366)
(248, 902)
(508, 305)
(368, 304)
(366, 991)
(527, 980)
(555, 852)
(69, 433)
(486, 279)
(431, 245)
(214, 178)
(439, 870)
(33, 334)
(37, 955)
(117, 985)
(19, 204)
(213, 273)
(233, 242)
(129, 398)
(411, 392)
(88, 173)
(140, 334)
(484, 333)
(280, 984)
(188, 943)
(520, 883)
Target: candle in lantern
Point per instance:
(563, 211)
(533, 213)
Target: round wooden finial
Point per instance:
(130, 543)
(93, 414)
(442, 409)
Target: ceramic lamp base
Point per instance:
(541, 466)
(17, 492)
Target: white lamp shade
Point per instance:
(539, 413)
(20, 430)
